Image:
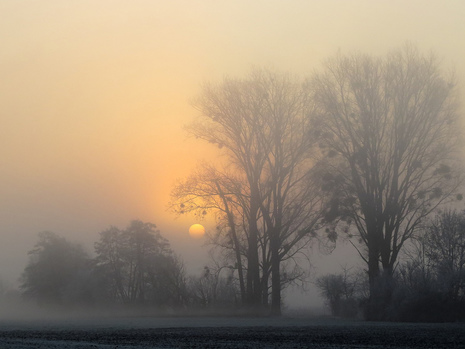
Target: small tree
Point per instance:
(431, 283)
(139, 265)
(444, 241)
(340, 292)
(214, 289)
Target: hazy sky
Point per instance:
(94, 96)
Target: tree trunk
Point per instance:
(232, 226)
(266, 272)
(372, 311)
(381, 283)
(253, 265)
(275, 277)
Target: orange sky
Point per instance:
(94, 94)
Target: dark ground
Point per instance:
(229, 333)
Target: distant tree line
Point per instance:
(133, 267)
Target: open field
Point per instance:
(213, 332)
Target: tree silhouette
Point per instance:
(55, 273)
(139, 265)
(206, 190)
(261, 123)
(389, 133)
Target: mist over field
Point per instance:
(236, 174)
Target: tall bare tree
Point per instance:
(262, 124)
(389, 129)
(291, 204)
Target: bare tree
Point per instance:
(262, 125)
(215, 287)
(209, 190)
(389, 131)
(431, 282)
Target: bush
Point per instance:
(341, 293)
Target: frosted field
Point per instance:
(217, 332)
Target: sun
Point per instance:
(196, 230)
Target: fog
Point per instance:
(94, 97)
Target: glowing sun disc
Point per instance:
(196, 230)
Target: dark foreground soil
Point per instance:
(328, 335)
